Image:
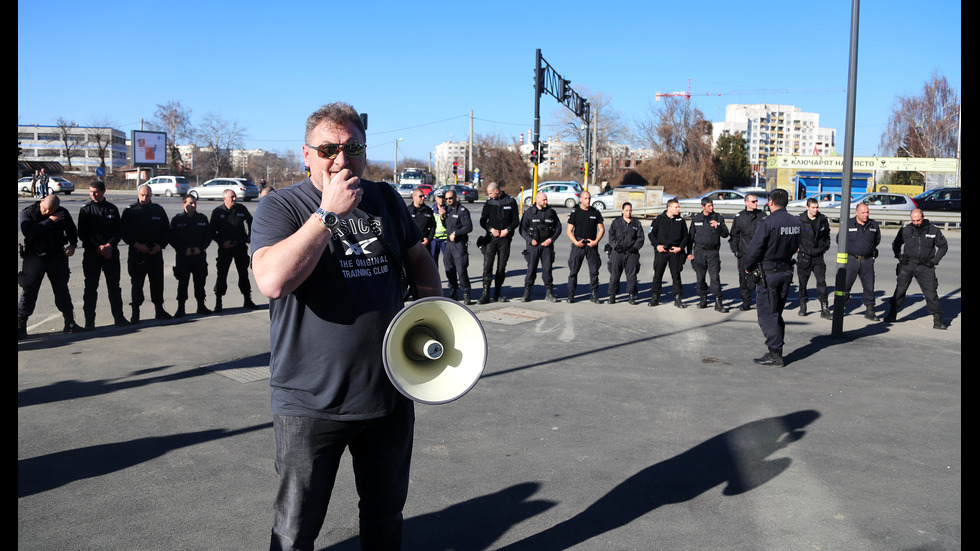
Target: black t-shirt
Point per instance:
(586, 223)
(327, 334)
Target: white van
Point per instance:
(169, 186)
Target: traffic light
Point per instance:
(543, 152)
(534, 156)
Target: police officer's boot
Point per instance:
(180, 309)
(527, 294)
(594, 297)
(745, 307)
(89, 322)
(678, 303)
(937, 321)
(217, 304)
(655, 300)
(825, 310)
(612, 298)
(201, 307)
(869, 313)
(21, 327)
(891, 314)
(703, 301)
(160, 313)
(802, 311)
(453, 294)
(719, 307)
(135, 318)
(248, 304)
(485, 297)
(70, 325)
(498, 293)
(466, 298)
(549, 293)
(773, 358)
(633, 299)
(571, 295)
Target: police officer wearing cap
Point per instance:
(919, 247)
(863, 237)
(540, 227)
(770, 254)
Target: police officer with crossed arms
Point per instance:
(770, 256)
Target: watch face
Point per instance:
(331, 220)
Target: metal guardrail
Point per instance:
(947, 219)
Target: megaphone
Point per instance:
(435, 350)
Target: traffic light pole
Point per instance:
(547, 80)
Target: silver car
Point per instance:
(559, 193)
(215, 188)
(56, 184)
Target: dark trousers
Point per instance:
(863, 269)
(146, 266)
(93, 266)
(744, 288)
(707, 266)
(620, 263)
(575, 259)
(239, 254)
(806, 265)
(661, 261)
(925, 277)
(308, 455)
(770, 299)
(496, 250)
(544, 255)
(457, 261)
(187, 266)
(55, 267)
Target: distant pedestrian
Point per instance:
(42, 184)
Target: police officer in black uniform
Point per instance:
(625, 242)
(743, 228)
(585, 230)
(146, 229)
(668, 235)
(50, 237)
(423, 216)
(540, 227)
(231, 224)
(814, 242)
(919, 247)
(190, 235)
(707, 230)
(500, 219)
(100, 230)
(459, 225)
(863, 237)
(776, 240)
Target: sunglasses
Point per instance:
(331, 150)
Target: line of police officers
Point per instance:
(766, 247)
(50, 237)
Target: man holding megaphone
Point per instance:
(333, 254)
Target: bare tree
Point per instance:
(68, 138)
(100, 134)
(681, 138)
(218, 137)
(607, 126)
(500, 162)
(175, 120)
(924, 125)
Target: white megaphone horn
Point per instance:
(435, 350)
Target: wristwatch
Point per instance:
(328, 219)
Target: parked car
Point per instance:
(465, 193)
(56, 184)
(215, 188)
(942, 199)
(559, 194)
(824, 199)
(405, 190)
(168, 186)
(425, 188)
(24, 185)
(692, 205)
(880, 201)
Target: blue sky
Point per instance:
(418, 68)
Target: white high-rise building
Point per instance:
(772, 129)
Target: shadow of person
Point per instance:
(472, 525)
(735, 458)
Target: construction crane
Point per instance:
(757, 91)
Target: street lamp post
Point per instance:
(395, 167)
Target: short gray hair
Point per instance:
(338, 113)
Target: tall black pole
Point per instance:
(538, 88)
(840, 297)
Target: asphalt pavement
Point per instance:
(594, 427)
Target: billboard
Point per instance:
(149, 148)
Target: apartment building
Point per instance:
(45, 144)
(773, 129)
